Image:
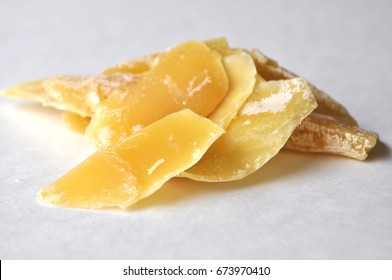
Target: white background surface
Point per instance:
(299, 206)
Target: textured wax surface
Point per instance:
(298, 206)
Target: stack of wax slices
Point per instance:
(200, 110)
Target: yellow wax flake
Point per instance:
(82, 94)
(32, 90)
(321, 134)
(241, 72)
(75, 122)
(78, 94)
(262, 127)
(144, 64)
(137, 167)
(187, 76)
(218, 44)
(134, 66)
(269, 69)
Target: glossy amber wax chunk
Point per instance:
(261, 128)
(187, 76)
(136, 167)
